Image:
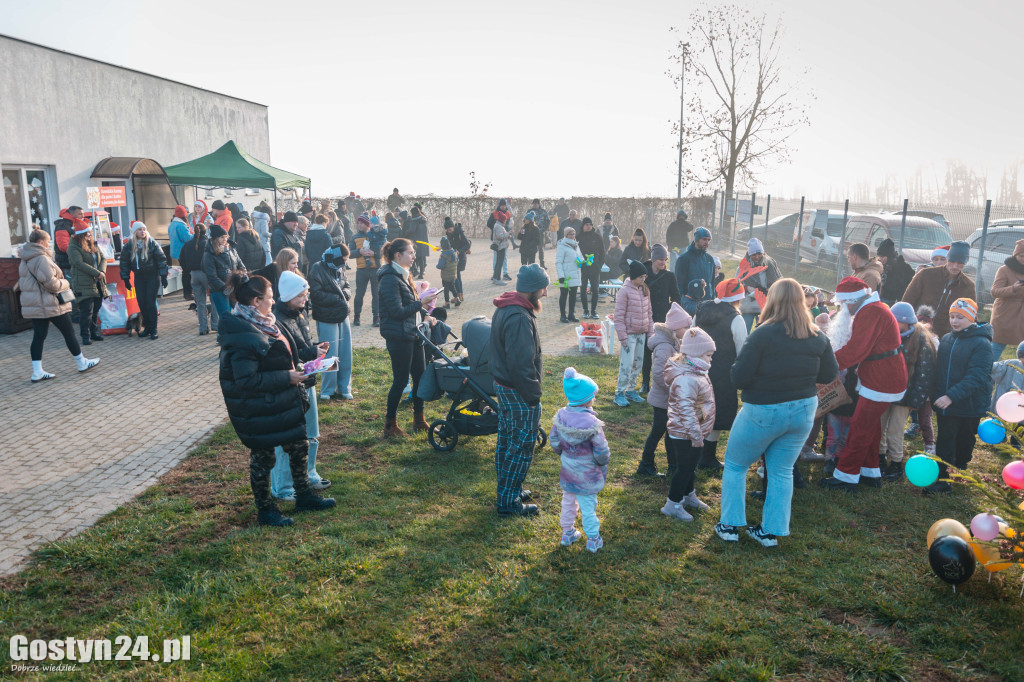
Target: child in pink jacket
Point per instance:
(578, 436)
(691, 415)
(634, 323)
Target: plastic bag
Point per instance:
(114, 315)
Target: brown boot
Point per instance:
(419, 423)
(392, 430)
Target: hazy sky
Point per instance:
(560, 97)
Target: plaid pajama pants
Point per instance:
(517, 434)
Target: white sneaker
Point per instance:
(809, 455)
(676, 511)
(760, 471)
(692, 502)
(41, 376)
(290, 497)
(570, 536)
(594, 544)
(85, 364)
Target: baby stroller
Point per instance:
(467, 381)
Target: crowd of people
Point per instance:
(899, 344)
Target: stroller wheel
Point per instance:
(442, 436)
(542, 440)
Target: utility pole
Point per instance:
(679, 176)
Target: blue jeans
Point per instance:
(220, 302)
(504, 264)
(778, 432)
(281, 484)
(997, 351)
(340, 338)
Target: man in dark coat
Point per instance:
(677, 236)
(515, 357)
(697, 264)
(570, 221)
(284, 235)
(664, 290)
(896, 273)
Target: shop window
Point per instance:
(26, 191)
(154, 204)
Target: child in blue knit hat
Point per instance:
(578, 436)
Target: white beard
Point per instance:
(840, 328)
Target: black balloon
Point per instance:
(951, 559)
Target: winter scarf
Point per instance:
(265, 323)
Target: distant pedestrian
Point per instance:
(568, 260)
(179, 233)
(286, 260)
(938, 287)
(662, 284)
(638, 249)
(462, 245)
(608, 230)
(593, 249)
(448, 264)
(248, 245)
(677, 236)
(41, 286)
(896, 274)
(318, 239)
(219, 262)
(88, 281)
(757, 273)
(395, 200)
(329, 293)
(696, 264)
(192, 258)
(1008, 309)
(284, 235)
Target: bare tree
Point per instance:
(743, 111)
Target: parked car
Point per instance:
(1002, 237)
(931, 215)
(821, 244)
(778, 234)
(921, 238)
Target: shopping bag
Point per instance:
(113, 315)
(831, 396)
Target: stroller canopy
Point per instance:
(476, 336)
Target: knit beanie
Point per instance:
(445, 244)
(730, 291)
(677, 318)
(607, 216)
(717, 261)
(335, 255)
(139, 225)
(887, 249)
(701, 233)
(696, 289)
(1020, 346)
(637, 269)
(448, 222)
(587, 221)
(216, 231)
(290, 217)
(754, 246)
(530, 216)
(579, 388)
(959, 252)
(180, 212)
(290, 285)
(904, 312)
(696, 342)
(658, 252)
(363, 219)
(966, 307)
(532, 278)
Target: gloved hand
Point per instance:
(163, 281)
(127, 283)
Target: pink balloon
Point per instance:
(984, 527)
(1010, 406)
(1013, 474)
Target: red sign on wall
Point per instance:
(112, 196)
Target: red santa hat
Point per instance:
(942, 252)
(81, 227)
(852, 288)
(730, 290)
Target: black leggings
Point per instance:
(658, 432)
(145, 291)
(499, 262)
(687, 457)
(591, 277)
(40, 328)
(406, 358)
(570, 293)
(88, 316)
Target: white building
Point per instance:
(62, 114)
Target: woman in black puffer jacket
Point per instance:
(264, 395)
(400, 311)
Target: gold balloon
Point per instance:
(986, 553)
(944, 527)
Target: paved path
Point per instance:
(77, 447)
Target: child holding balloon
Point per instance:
(963, 387)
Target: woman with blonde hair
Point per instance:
(144, 266)
(778, 370)
(287, 260)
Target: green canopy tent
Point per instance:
(229, 166)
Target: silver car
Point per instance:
(1002, 237)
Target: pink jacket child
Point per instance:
(632, 312)
(634, 324)
(577, 435)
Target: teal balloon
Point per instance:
(991, 432)
(922, 471)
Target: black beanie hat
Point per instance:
(696, 289)
(607, 216)
(587, 221)
(887, 249)
(448, 222)
(216, 231)
(218, 204)
(636, 269)
(290, 217)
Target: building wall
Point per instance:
(70, 112)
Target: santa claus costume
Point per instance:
(874, 346)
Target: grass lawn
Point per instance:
(413, 576)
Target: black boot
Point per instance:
(833, 483)
(311, 501)
(272, 516)
(86, 341)
(646, 467)
(96, 336)
(708, 461)
(893, 471)
(798, 477)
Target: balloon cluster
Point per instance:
(953, 550)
